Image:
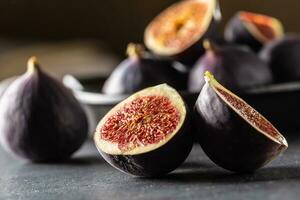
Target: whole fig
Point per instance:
(283, 57)
(40, 120)
(141, 70)
(236, 67)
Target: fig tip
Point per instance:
(135, 50)
(209, 45)
(208, 76)
(32, 64)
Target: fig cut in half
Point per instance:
(253, 29)
(147, 134)
(178, 30)
(233, 134)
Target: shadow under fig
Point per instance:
(73, 161)
(190, 173)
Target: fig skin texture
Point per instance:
(141, 70)
(243, 32)
(40, 119)
(283, 57)
(177, 33)
(235, 67)
(158, 161)
(227, 138)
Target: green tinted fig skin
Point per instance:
(235, 67)
(227, 139)
(41, 121)
(283, 57)
(236, 33)
(137, 73)
(160, 161)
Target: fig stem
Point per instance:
(210, 46)
(135, 50)
(32, 64)
(208, 76)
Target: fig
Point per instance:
(283, 57)
(40, 119)
(236, 67)
(148, 134)
(232, 133)
(253, 29)
(141, 70)
(177, 32)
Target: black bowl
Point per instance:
(278, 103)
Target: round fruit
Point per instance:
(283, 57)
(252, 29)
(178, 30)
(235, 67)
(141, 70)
(147, 134)
(232, 133)
(40, 120)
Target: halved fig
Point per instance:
(233, 134)
(178, 30)
(147, 134)
(253, 29)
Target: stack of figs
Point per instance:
(152, 131)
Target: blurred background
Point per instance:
(89, 38)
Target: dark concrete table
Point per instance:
(87, 176)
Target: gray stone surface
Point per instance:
(87, 176)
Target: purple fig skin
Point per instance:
(283, 57)
(236, 67)
(139, 72)
(40, 119)
(227, 139)
(235, 32)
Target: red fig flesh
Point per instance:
(146, 134)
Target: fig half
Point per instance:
(236, 67)
(147, 134)
(283, 57)
(233, 134)
(253, 29)
(141, 70)
(40, 119)
(177, 31)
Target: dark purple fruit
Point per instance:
(283, 57)
(252, 29)
(235, 67)
(147, 134)
(177, 32)
(141, 70)
(40, 120)
(232, 133)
